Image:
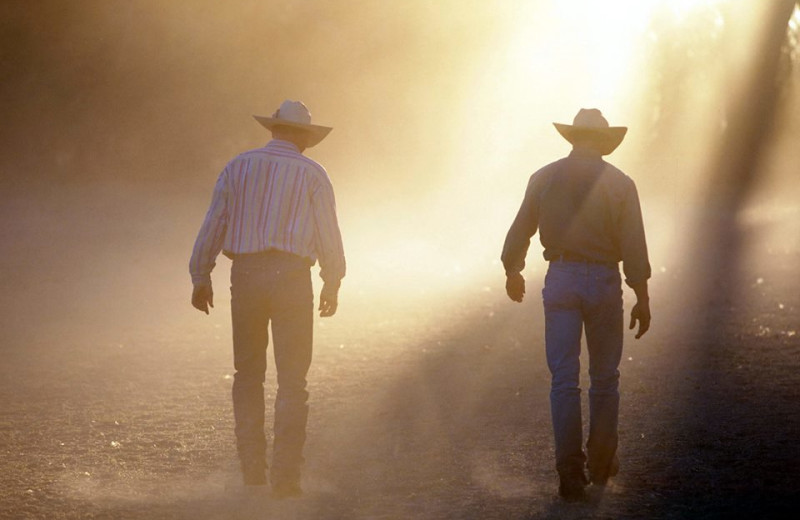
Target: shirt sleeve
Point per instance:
(328, 237)
(522, 229)
(633, 245)
(211, 235)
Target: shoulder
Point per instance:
(243, 158)
(545, 172)
(268, 153)
(548, 169)
(313, 166)
(610, 169)
(616, 175)
(313, 171)
(617, 182)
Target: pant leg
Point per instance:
(250, 322)
(563, 327)
(292, 326)
(604, 335)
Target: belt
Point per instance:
(568, 256)
(273, 256)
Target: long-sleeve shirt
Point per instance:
(271, 198)
(584, 206)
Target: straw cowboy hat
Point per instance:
(294, 114)
(590, 123)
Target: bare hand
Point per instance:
(640, 313)
(328, 300)
(202, 297)
(515, 286)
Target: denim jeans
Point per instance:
(271, 287)
(580, 295)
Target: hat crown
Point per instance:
(590, 123)
(294, 111)
(294, 114)
(590, 118)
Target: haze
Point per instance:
(118, 116)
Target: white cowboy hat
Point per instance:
(294, 114)
(590, 123)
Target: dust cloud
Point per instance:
(118, 116)
(128, 110)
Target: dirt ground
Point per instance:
(115, 394)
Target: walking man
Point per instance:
(273, 213)
(589, 219)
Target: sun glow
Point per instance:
(542, 62)
(536, 74)
(683, 8)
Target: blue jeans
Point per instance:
(580, 295)
(271, 287)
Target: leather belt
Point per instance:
(568, 256)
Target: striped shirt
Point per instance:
(271, 198)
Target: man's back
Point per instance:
(273, 198)
(585, 206)
(271, 192)
(274, 214)
(588, 216)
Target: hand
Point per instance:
(640, 313)
(202, 297)
(515, 286)
(328, 300)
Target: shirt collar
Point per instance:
(585, 153)
(280, 144)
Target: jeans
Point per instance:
(271, 287)
(580, 295)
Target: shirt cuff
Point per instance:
(201, 279)
(632, 282)
(332, 282)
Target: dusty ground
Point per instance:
(115, 393)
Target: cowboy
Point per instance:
(273, 213)
(589, 219)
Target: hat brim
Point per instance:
(316, 133)
(606, 139)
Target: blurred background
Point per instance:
(118, 116)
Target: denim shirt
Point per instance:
(585, 206)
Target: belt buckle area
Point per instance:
(578, 258)
(573, 257)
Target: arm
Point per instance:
(641, 310)
(208, 245)
(328, 243)
(518, 240)
(635, 261)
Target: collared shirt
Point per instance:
(584, 206)
(271, 198)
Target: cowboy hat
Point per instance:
(590, 123)
(294, 114)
